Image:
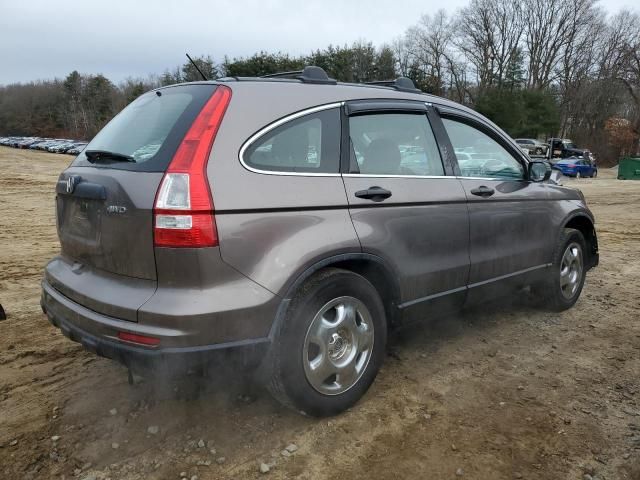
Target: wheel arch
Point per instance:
(584, 224)
(372, 267)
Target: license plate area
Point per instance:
(81, 220)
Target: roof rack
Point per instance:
(403, 84)
(290, 74)
(310, 74)
(313, 74)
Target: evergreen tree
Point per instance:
(515, 73)
(205, 64)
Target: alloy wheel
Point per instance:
(571, 267)
(338, 345)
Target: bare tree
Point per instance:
(576, 68)
(401, 51)
(429, 44)
(552, 25)
(489, 33)
(624, 58)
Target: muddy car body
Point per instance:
(298, 219)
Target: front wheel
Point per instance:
(330, 345)
(563, 285)
(538, 151)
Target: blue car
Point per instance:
(576, 167)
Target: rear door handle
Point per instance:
(483, 191)
(377, 194)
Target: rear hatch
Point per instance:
(105, 199)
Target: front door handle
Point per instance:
(483, 191)
(377, 194)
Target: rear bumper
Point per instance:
(98, 334)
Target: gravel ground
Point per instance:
(490, 394)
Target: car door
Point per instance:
(585, 168)
(510, 217)
(405, 203)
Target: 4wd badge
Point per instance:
(116, 209)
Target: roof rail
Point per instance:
(313, 74)
(403, 84)
(310, 74)
(291, 74)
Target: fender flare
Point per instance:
(320, 264)
(592, 238)
(578, 213)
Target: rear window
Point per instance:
(150, 128)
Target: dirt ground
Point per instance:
(491, 394)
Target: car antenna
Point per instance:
(198, 69)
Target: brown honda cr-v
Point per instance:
(299, 219)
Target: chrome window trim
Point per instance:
(276, 124)
(375, 175)
(462, 177)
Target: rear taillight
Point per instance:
(571, 166)
(183, 215)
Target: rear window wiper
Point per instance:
(96, 155)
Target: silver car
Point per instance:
(533, 146)
(295, 221)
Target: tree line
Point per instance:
(537, 68)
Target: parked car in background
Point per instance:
(34, 145)
(533, 146)
(58, 146)
(576, 167)
(48, 143)
(61, 147)
(224, 215)
(54, 145)
(25, 142)
(77, 148)
(565, 148)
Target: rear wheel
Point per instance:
(578, 174)
(329, 348)
(562, 288)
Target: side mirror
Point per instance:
(539, 171)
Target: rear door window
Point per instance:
(150, 128)
(307, 144)
(393, 144)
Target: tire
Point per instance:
(578, 175)
(553, 295)
(538, 151)
(289, 365)
(595, 174)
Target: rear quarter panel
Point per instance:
(272, 226)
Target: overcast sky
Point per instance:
(43, 39)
